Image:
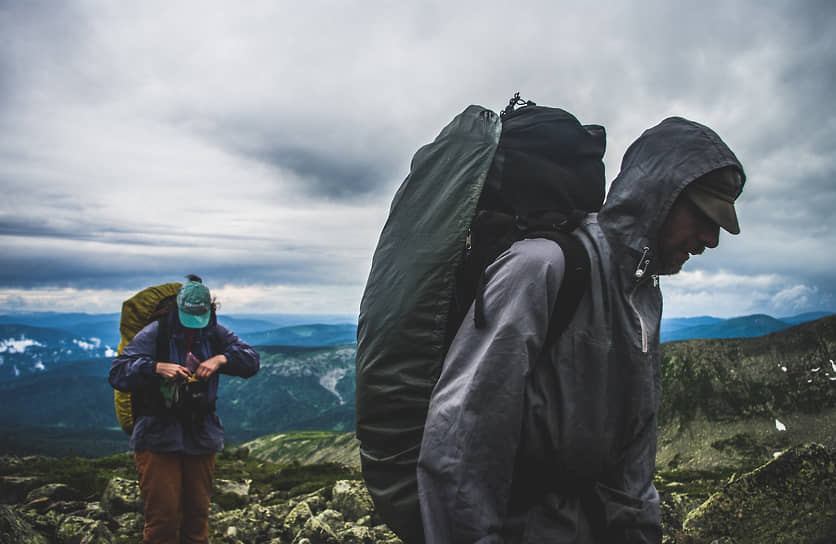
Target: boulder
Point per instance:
(79, 508)
(79, 530)
(316, 500)
(53, 493)
(332, 518)
(44, 523)
(13, 489)
(231, 494)
(14, 529)
(241, 453)
(352, 499)
(358, 535)
(315, 531)
(253, 524)
(129, 524)
(297, 518)
(121, 496)
(788, 500)
(674, 508)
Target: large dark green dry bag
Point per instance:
(531, 158)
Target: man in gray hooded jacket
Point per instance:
(533, 442)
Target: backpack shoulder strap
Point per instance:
(501, 230)
(215, 341)
(575, 279)
(163, 337)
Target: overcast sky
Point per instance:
(259, 144)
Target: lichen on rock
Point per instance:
(15, 529)
(788, 500)
(121, 496)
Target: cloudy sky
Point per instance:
(259, 143)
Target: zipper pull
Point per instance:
(468, 243)
(641, 269)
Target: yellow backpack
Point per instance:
(137, 312)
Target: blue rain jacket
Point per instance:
(133, 371)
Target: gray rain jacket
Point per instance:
(527, 442)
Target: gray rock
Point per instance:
(241, 453)
(315, 500)
(78, 508)
(14, 529)
(129, 524)
(121, 496)
(384, 535)
(352, 499)
(315, 531)
(53, 492)
(79, 530)
(253, 524)
(358, 535)
(788, 500)
(332, 518)
(296, 519)
(13, 489)
(44, 523)
(231, 493)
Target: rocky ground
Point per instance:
(50, 501)
(75, 501)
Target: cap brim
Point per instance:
(194, 321)
(719, 210)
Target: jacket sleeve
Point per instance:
(242, 360)
(133, 369)
(475, 414)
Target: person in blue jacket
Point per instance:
(177, 432)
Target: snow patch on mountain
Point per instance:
(89, 344)
(18, 345)
(313, 363)
(330, 380)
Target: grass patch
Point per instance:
(87, 476)
(291, 479)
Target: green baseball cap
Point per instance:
(715, 193)
(194, 305)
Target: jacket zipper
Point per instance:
(641, 270)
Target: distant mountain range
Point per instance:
(31, 343)
(304, 335)
(53, 377)
(102, 330)
(105, 327)
(749, 326)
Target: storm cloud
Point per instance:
(259, 145)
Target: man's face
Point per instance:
(686, 231)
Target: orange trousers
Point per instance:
(175, 490)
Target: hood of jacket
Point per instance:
(654, 171)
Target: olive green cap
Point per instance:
(715, 193)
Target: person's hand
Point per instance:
(172, 371)
(210, 366)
